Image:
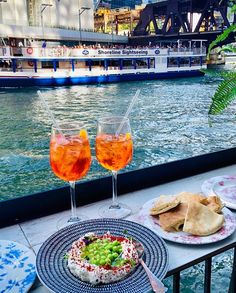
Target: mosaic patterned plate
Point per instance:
(52, 266)
(223, 186)
(183, 237)
(17, 267)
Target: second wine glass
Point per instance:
(114, 150)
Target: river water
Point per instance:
(169, 122)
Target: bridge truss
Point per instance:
(187, 17)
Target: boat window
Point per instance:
(152, 62)
(172, 62)
(128, 64)
(5, 65)
(184, 61)
(95, 63)
(196, 61)
(141, 63)
(204, 60)
(49, 64)
(19, 65)
(115, 64)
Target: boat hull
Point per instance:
(19, 81)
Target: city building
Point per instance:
(47, 13)
(151, 1)
(50, 19)
(112, 4)
(125, 3)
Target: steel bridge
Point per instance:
(185, 19)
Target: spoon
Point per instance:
(156, 284)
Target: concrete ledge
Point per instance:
(16, 31)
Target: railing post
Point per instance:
(90, 65)
(54, 66)
(178, 61)
(72, 65)
(14, 65)
(176, 283)
(207, 276)
(121, 64)
(105, 64)
(35, 66)
(232, 286)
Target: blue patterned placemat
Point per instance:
(17, 267)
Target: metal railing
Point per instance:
(187, 51)
(207, 272)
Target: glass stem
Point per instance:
(114, 190)
(73, 201)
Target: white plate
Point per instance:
(181, 237)
(17, 267)
(223, 186)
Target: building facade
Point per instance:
(125, 3)
(33, 21)
(48, 13)
(117, 3)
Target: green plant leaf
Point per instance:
(224, 95)
(221, 38)
(233, 9)
(228, 48)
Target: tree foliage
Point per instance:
(226, 91)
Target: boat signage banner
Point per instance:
(117, 52)
(63, 51)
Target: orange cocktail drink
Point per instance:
(114, 151)
(70, 155)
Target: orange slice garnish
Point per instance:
(83, 133)
(128, 135)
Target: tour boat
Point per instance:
(36, 66)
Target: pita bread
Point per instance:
(202, 221)
(163, 204)
(174, 219)
(190, 197)
(215, 204)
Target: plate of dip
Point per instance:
(53, 272)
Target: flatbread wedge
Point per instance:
(202, 221)
(190, 197)
(163, 204)
(173, 220)
(214, 203)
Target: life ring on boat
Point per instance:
(30, 50)
(31, 63)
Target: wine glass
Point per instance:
(70, 160)
(114, 150)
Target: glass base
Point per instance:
(65, 221)
(115, 212)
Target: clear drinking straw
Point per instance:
(135, 97)
(50, 113)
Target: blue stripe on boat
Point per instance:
(23, 82)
